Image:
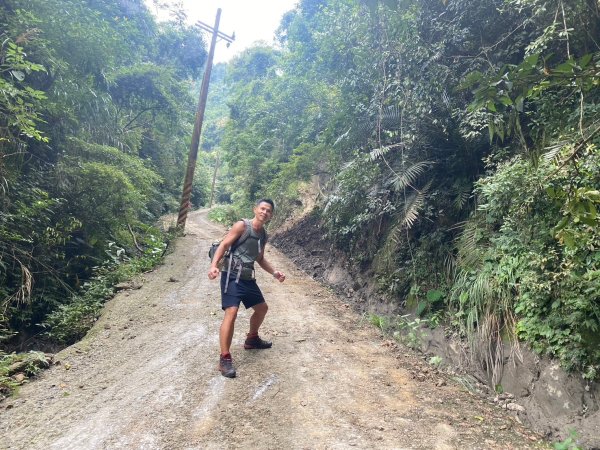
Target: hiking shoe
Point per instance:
(226, 367)
(256, 343)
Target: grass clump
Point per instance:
(17, 369)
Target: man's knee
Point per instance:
(261, 308)
(230, 314)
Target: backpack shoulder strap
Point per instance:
(262, 241)
(264, 238)
(235, 245)
(245, 235)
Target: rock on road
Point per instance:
(145, 376)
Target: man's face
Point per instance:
(263, 211)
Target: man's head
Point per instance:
(263, 209)
(268, 201)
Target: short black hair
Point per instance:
(266, 200)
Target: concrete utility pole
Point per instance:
(191, 165)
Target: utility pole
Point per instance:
(212, 189)
(191, 165)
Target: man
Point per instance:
(238, 284)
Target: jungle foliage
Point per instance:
(456, 145)
(95, 118)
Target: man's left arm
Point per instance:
(266, 265)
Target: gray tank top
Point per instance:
(244, 255)
(249, 250)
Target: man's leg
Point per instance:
(257, 318)
(253, 341)
(225, 336)
(227, 327)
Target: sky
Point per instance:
(251, 20)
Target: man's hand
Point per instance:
(213, 273)
(280, 276)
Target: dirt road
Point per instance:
(145, 377)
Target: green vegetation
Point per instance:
(569, 443)
(455, 149)
(224, 214)
(404, 329)
(96, 109)
(16, 369)
(72, 320)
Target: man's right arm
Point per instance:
(236, 231)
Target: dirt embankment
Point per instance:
(145, 376)
(539, 393)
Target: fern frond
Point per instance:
(462, 193)
(412, 206)
(553, 150)
(470, 246)
(409, 176)
(377, 153)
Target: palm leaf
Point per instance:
(470, 246)
(462, 193)
(450, 265)
(390, 118)
(377, 153)
(552, 151)
(412, 206)
(342, 136)
(409, 176)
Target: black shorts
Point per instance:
(244, 291)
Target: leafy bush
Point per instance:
(405, 329)
(355, 206)
(224, 214)
(71, 321)
(530, 259)
(410, 332)
(94, 131)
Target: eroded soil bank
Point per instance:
(145, 376)
(536, 390)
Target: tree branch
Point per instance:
(134, 239)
